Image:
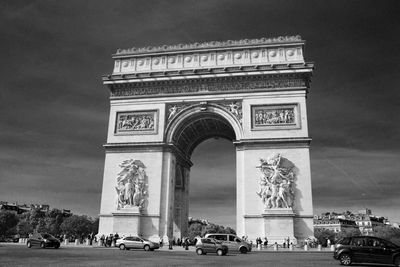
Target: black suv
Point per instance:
(366, 249)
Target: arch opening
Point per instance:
(187, 132)
(198, 127)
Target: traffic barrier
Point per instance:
(291, 247)
(275, 246)
(76, 242)
(66, 241)
(319, 247)
(332, 247)
(305, 247)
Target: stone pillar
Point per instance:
(167, 197)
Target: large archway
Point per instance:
(166, 100)
(186, 130)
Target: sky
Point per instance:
(54, 108)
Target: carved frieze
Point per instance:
(137, 122)
(268, 117)
(277, 182)
(132, 185)
(213, 85)
(232, 106)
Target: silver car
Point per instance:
(234, 243)
(136, 242)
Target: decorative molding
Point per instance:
(290, 142)
(136, 122)
(213, 44)
(273, 117)
(210, 86)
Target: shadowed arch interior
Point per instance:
(200, 127)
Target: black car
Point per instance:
(43, 240)
(366, 249)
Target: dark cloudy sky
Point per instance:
(54, 108)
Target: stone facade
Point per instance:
(166, 100)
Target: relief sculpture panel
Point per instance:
(131, 186)
(277, 182)
(136, 122)
(275, 117)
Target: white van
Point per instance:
(233, 242)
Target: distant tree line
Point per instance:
(199, 228)
(386, 232)
(54, 222)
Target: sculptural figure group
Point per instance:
(131, 188)
(276, 183)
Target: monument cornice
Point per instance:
(212, 85)
(243, 144)
(148, 147)
(210, 45)
(217, 56)
(267, 69)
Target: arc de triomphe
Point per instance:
(166, 100)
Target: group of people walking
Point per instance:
(108, 241)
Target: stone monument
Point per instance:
(166, 100)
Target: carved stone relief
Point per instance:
(277, 182)
(232, 106)
(131, 186)
(273, 116)
(136, 122)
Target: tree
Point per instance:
(8, 223)
(323, 235)
(387, 232)
(347, 233)
(77, 225)
(194, 230)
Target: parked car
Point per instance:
(136, 242)
(366, 249)
(210, 245)
(234, 243)
(43, 240)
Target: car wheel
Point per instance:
(243, 250)
(397, 261)
(122, 247)
(345, 259)
(199, 251)
(220, 252)
(42, 245)
(29, 245)
(147, 248)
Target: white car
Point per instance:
(136, 242)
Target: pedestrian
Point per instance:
(102, 238)
(265, 242)
(161, 243)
